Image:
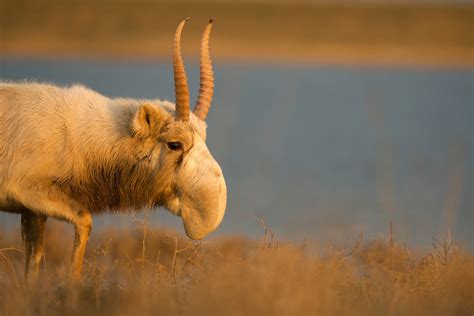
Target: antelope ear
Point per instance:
(147, 121)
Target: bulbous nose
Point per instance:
(207, 208)
(221, 201)
(204, 192)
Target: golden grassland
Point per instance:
(146, 271)
(383, 33)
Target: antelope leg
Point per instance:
(32, 231)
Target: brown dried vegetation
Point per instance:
(367, 32)
(149, 271)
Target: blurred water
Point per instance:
(319, 152)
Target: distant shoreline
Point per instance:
(411, 35)
(378, 59)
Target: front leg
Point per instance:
(83, 226)
(47, 200)
(32, 231)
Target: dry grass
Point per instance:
(159, 273)
(289, 31)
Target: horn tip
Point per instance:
(211, 20)
(187, 19)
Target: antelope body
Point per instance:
(70, 152)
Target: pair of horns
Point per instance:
(206, 88)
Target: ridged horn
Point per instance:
(206, 87)
(180, 78)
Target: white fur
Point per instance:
(49, 132)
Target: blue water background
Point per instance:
(319, 152)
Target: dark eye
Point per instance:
(175, 145)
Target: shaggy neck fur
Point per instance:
(115, 171)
